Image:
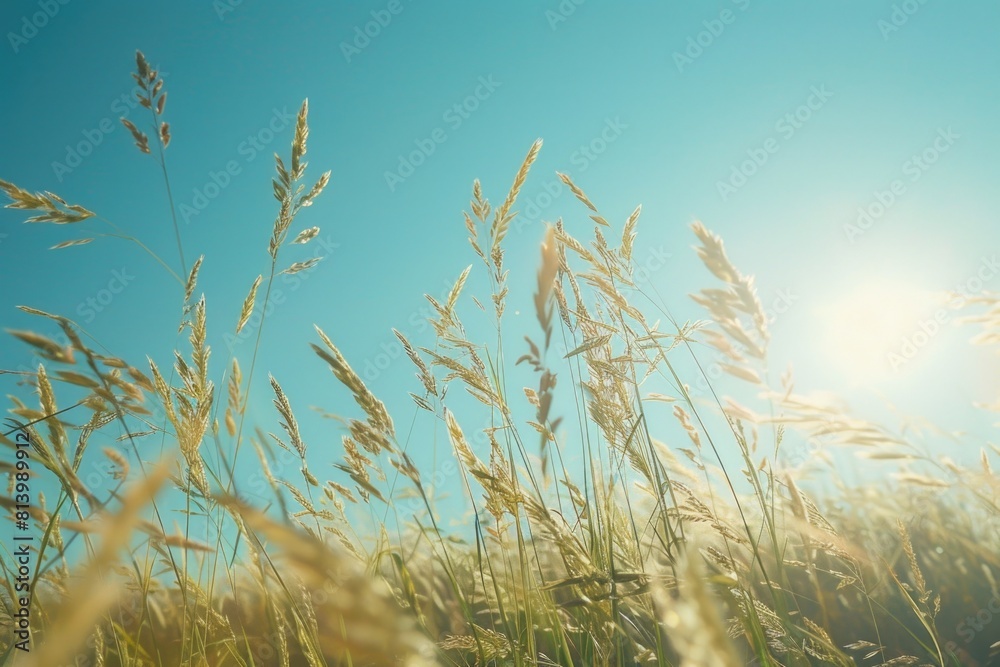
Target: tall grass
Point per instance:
(607, 535)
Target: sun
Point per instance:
(867, 331)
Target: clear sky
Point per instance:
(843, 150)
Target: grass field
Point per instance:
(596, 540)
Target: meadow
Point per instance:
(599, 537)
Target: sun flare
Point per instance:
(869, 330)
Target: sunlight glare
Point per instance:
(865, 327)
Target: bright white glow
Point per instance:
(878, 330)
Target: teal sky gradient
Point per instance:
(618, 110)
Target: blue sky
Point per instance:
(777, 124)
